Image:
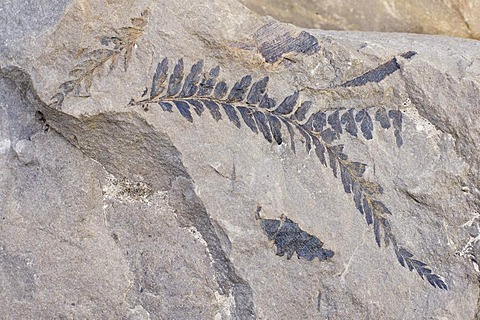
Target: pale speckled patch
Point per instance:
(126, 190)
(226, 302)
(5, 145)
(421, 124)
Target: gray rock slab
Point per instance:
(132, 188)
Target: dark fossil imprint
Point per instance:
(118, 46)
(289, 238)
(248, 103)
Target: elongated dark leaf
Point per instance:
(333, 161)
(190, 85)
(159, 79)
(400, 258)
(291, 132)
(398, 137)
(301, 112)
(276, 127)
(368, 211)
(183, 108)
(262, 125)
(367, 126)
(382, 117)
(308, 139)
(348, 121)
(375, 75)
(175, 82)
(396, 117)
(248, 118)
(197, 106)
(267, 102)
(346, 179)
(207, 84)
(357, 196)
(288, 104)
(239, 89)
(334, 122)
(319, 150)
(387, 232)
(166, 106)
(256, 91)
(214, 109)
(231, 114)
(220, 90)
(376, 230)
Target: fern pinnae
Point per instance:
(94, 61)
(249, 103)
(301, 111)
(190, 85)
(175, 82)
(257, 91)
(159, 79)
(231, 114)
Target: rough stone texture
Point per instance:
(115, 209)
(459, 18)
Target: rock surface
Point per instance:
(459, 18)
(113, 207)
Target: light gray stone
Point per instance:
(457, 18)
(113, 208)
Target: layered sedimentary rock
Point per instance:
(197, 161)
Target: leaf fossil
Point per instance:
(289, 239)
(247, 103)
(115, 47)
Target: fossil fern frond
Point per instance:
(116, 47)
(248, 103)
